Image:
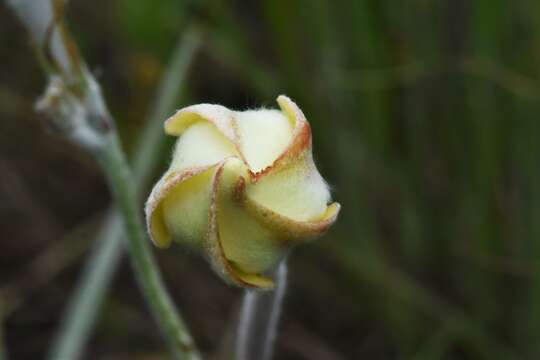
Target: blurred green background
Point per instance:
(425, 123)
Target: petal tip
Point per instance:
(248, 280)
(282, 99)
(218, 115)
(180, 121)
(332, 211)
(287, 106)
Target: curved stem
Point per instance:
(74, 103)
(259, 319)
(121, 182)
(84, 304)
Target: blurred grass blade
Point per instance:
(406, 290)
(85, 303)
(3, 347)
(83, 307)
(151, 144)
(227, 42)
(484, 137)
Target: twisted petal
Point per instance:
(204, 203)
(240, 248)
(259, 137)
(288, 228)
(263, 136)
(245, 184)
(201, 144)
(245, 238)
(292, 186)
(186, 208)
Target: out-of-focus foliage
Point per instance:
(425, 122)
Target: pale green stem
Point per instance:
(84, 304)
(259, 319)
(73, 102)
(113, 162)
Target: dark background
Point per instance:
(425, 122)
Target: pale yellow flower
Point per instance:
(242, 186)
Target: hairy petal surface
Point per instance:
(243, 186)
(221, 117)
(179, 183)
(292, 186)
(264, 135)
(241, 249)
(186, 206)
(202, 144)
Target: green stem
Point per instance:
(73, 101)
(85, 303)
(113, 162)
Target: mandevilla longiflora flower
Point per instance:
(243, 187)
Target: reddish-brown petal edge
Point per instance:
(224, 120)
(300, 142)
(215, 248)
(160, 190)
(287, 228)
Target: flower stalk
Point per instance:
(259, 319)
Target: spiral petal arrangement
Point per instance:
(243, 187)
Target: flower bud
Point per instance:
(243, 187)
